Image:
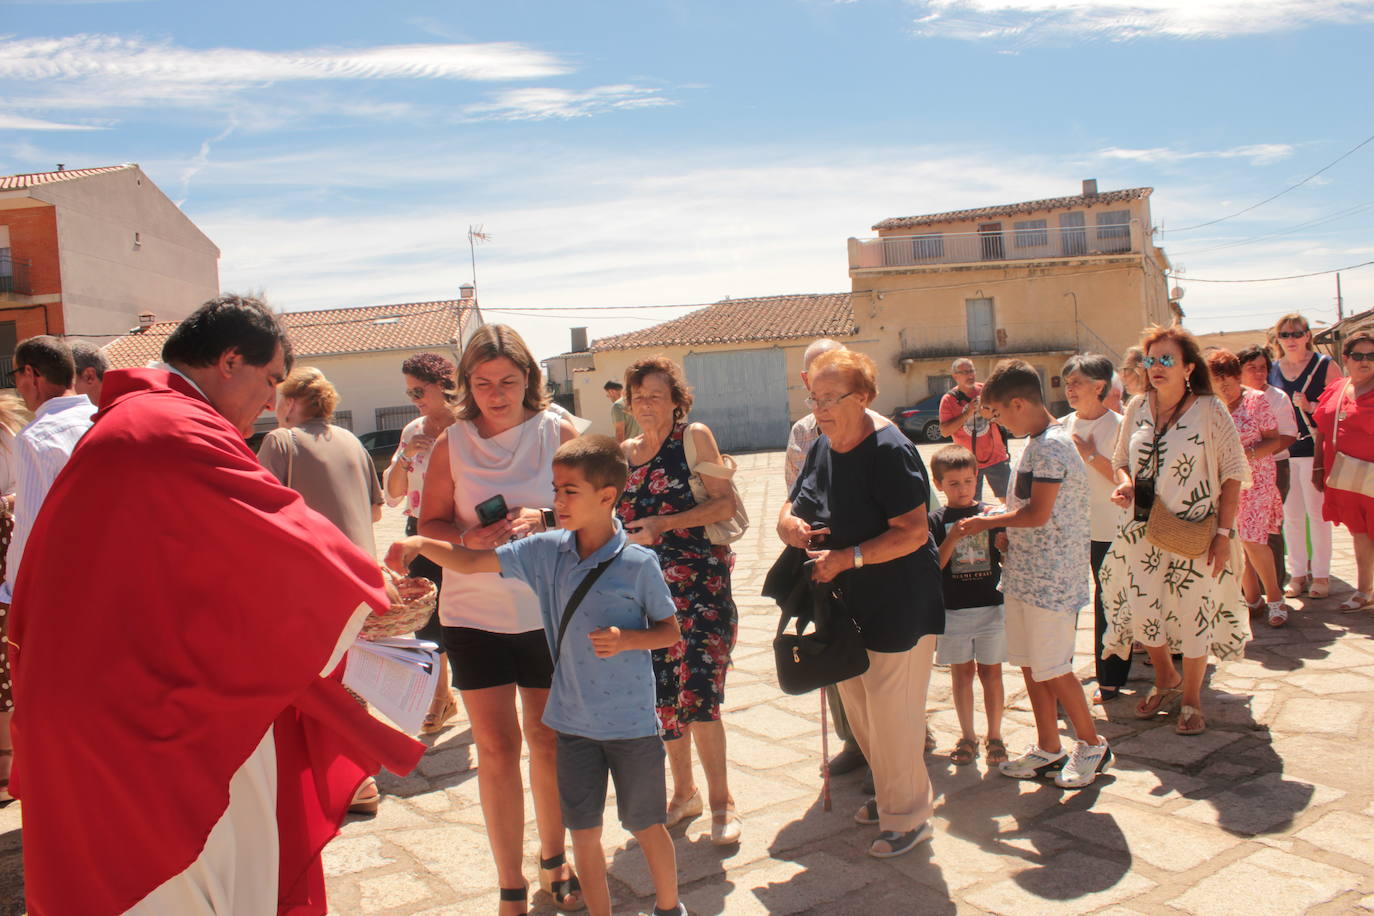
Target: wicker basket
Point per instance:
(418, 599)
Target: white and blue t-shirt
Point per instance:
(1049, 566)
(600, 698)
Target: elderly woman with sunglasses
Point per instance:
(1303, 374)
(1344, 447)
(1178, 458)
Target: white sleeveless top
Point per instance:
(517, 464)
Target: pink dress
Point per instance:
(1261, 506)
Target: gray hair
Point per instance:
(961, 361)
(824, 345)
(88, 356)
(1092, 366)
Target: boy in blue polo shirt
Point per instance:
(601, 702)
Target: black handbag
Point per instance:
(833, 652)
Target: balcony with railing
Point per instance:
(1015, 243)
(14, 276)
(948, 341)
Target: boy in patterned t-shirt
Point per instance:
(1044, 576)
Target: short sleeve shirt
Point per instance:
(600, 698)
(855, 493)
(970, 576)
(1107, 516)
(619, 414)
(1049, 566)
(978, 434)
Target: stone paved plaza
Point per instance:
(1270, 811)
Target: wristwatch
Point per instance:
(1229, 532)
(858, 557)
(550, 520)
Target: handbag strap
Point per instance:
(1340, 415)
(578, 594)
(290, 456)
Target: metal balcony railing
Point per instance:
(941, 342)
(1010, 243)
(14, 276)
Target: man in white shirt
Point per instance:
(44, 373)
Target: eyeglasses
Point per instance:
(825, 403)
(1292, 335)
(1167, 361)
(1361, 356)
(415, 394)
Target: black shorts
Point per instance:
(481, 659)
(636, 765)
(425, 568)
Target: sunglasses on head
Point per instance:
(1167, 361)
(1361, 356)
(1292, 335)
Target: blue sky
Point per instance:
(624, 154)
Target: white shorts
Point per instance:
(1040, 639)
(972, 634)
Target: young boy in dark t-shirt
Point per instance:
(975, 638)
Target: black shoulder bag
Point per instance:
(833, 652)
(578, 594)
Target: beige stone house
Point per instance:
(360, 350)
(1039, 280)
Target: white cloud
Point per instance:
(540, 103)
(105, 70)
(1258, 154)
(1031, 20)
(16, 122)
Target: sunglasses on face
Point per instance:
(415, 394)
(1292, 335)
(1360, 356)
(1167, 361)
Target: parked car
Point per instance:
(381, 445)
(920, 421)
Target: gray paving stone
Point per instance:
(1301, 715)
(813, 880)
(1164, 744)
(1342, 832)
(397, 891)
(1165, 842)
(1071, 882)
(1268, 882)
(1260, 805)
(347, 855)
(767, 722)
(758, 754)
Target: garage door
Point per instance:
(742, 396)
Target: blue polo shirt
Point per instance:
(599, 698)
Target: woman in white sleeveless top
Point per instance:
(501, 444)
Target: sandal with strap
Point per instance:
(1297, 587)
(1157, 700)
(1356, 602)
(436, 719)
(1188, 713)
(367, 799)
(965, 750)
(516, 895)
(1278, 614)
(996, 751)
(563, 890)
(1319, 588)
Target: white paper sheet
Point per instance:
(396, 675)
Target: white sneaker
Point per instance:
(1086, 761)
(1034, 762)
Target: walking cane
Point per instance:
(825, 757)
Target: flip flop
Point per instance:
(1186, 713)
(1161, 698)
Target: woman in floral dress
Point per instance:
(1261, 506)
(691, 674)
(1182, 438)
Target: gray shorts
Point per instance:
(636, 765)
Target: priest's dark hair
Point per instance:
(230, 322)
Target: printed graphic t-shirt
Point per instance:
(971, 576)
(1049, 566)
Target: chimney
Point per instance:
(579, 340)
(146, 320)
(466, 291)
(61, 167)
(1089, 187)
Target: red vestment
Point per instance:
(175, 602)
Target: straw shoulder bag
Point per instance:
(1166, 530)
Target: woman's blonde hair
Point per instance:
(1130, 368)
(1292, 318)
(316, 394)
(14, 416)
(494, 341)
(859, 367)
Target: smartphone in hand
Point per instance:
(491, 511)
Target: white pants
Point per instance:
(1304, 503)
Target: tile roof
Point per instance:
(370, 329)
(739, 320)
(14, 182)
(1028, 206)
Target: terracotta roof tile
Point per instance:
(1028, 206)
(740, 320)
(370, 329)
(14, 182)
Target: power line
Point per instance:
(1318, 273)
(1319, 221)
(1293, 187)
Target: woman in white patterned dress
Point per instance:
(1182, 437)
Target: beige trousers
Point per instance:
(886, 707)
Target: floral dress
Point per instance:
(1261, 506)
(1161, 598)
(690, 675)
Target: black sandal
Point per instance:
(563, 888)
(516, 895)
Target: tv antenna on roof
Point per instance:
(475, 237)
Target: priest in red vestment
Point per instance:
(180, 745)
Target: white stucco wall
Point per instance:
(368, 381)
(106, 278)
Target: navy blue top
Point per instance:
(1313, 387)
(599, 698)
(855, 493)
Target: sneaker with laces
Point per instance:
(1034, 762)
(1086, 761)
